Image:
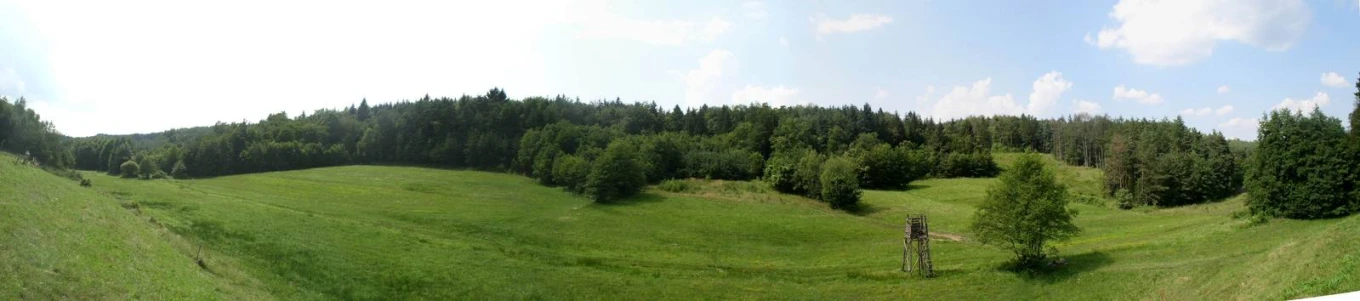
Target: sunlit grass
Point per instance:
(365, 232)
(60, 241)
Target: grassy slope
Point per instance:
(366, 232)
(61, 241)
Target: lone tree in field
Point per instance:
(616, 174)
(129, 169)
(1023, 212)
(840, 183)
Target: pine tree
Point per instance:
(363, 111)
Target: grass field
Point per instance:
(368, 232)
(61, 241)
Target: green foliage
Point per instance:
(129, 169)
(180, 170)
(616, 174)
(1124, 199)
(725, 165)
(1024, 211)
(840, 183)
(527, 136)
(887, 167)
(23, 132)
(1304, 167)
(1168, 164)
(974, 165)
(1355, 113)
(675, 186)
(571, 172)
(807, 173)
(779, 172)
(148, 168)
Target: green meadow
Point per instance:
(375, 232)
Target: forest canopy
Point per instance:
(785, 146)
(557, 141)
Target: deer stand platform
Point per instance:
(916, 241)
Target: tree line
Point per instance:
(559, 141)
(1306, 165)
(22, 131)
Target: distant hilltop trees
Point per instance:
(559, 141)
(22, 131)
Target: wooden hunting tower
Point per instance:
(916, 241)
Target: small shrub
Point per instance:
(571, 171)
(840, 183)
(807, 174)
(85, 183)
(779, 172)
(129, 169)
(1258, 219)
(616, 174)
(65, 173)
(1124, 199)
(676, 186)
(147, 169)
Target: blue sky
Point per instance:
(142, 66)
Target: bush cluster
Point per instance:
(1305, 166)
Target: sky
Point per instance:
(136, 66)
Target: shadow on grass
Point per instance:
(897, 275)
(639, 199)
(914, 186)
(864, 209)
(1076, 265)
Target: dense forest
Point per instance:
(566, 142)
(609, 149)
(1306, 165)
(22, 131)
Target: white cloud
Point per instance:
(1331, 79)
(783, 41)
(974, 100)
(1224, 89)
(754, 10)
(1197, 112)
(11, 84)
(1240, 128)
(1304, 105)
(699, 82)
(855, 23)
(776, 96)
(1047, 89)
(1140, 96)
(1088, 107)
(923, 99)
(881, 94)
(1166, 33)
(1224, 110)
(1205, 111)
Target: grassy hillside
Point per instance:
(365, 232)
(62, 241)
